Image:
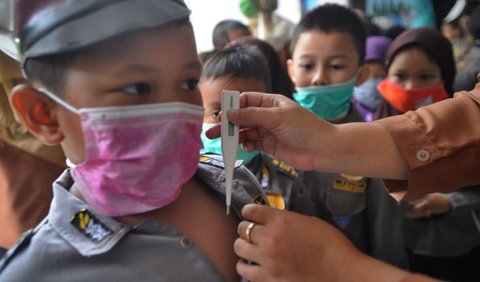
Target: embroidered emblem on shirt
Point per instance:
(276, 200)
(217, 162)
(89, 225)
(288, 170)
(260, 199)
(349, 186)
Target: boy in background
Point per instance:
(122, 100)
(245, 69)
(327, 56)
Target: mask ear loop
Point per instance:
(60, 101)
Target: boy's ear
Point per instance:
(34, 108)
(362, 75)
(290, 70)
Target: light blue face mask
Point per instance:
(215, 146)
(368, 95)
(326, 101)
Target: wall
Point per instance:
(207, 13)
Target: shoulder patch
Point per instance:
(276, 200)
(89, 225)
(285, 168)
(216, 161)
(261, 199)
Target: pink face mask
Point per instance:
(137, 157)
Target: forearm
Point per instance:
(364, 149)
(465, 200)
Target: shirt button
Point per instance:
(186, 243)
(423, 155)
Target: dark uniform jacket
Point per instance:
(361, 208)
(283, 184)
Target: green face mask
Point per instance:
(215, 146)
(328, 102)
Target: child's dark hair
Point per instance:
(236, 62)
(50, 69)
(330, 18)
(279, 79)
(220, 32)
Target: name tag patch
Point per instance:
(349, 186)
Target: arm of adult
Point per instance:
(279, 126)
(286, 246)
(440, 143)
(437, 147)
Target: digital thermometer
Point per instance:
(230, 100)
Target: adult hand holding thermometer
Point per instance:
(229, 137)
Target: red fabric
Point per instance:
(406, 100)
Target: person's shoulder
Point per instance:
(211, 170)
(21, 262)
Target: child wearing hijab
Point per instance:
(441, 230)
(420, 71)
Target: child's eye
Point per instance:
(215, 114)
(140, 88)
(337, 66)
(190, 84)
(306, 66)
(426, 77)
(399, 77)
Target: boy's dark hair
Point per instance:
(50, 69)
(234, 63)
(220, 32)
(279, 79)
(330, 18)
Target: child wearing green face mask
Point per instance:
(243, 67)
(327, 54)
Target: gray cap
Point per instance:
(75, 24)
